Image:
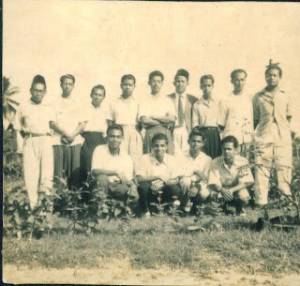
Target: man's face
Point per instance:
(180, 84)
(155, 83)
(272, 77)
(97, 96)
(239, 81)
(114, 138)
(67, 86)
(159, 148)
(196, 143)
(38, 91)
(207, 86)
(127, 87)
(229, 151)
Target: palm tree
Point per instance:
(9, 105)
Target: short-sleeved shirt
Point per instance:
(97, 117)
(148, 166)
(156, 106)
(271, 110)
(121, 163)
(221, 175)
(69, 113)
(37, 116)
(205, 113)
(125, 111)
(199, 164)
(236, 116)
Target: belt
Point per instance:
(32, 134)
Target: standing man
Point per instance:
(68, 125)
(156, 113)
(35, 116)
(205, 116)
(125, 112)
(272, 116)
(113, 168)
(97, 116)
(183, 104)
(236, 115)
(230, 175)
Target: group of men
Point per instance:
(171, 148)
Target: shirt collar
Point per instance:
(206, 102)
(156, 162)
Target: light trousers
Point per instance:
(37, 166)
(268, 157)
(181, 137)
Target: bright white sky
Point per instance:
(99, 41)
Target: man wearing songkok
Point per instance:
(158, 175)
(236, 115)
(35, 116)
(183, 105)
(112, 168)
(230, 175)
(157, 114)
(125, 112)
(94, 133)
(205, 116)
(272, 116)
(67, 125)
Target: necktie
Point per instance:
(180, 111)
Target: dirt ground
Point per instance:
(121, 272)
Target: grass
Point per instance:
(161, 241)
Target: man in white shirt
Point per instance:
(183, 106)
(230, 175)
(236, 115)
(97, 117)
(157, 114)
(125, 111)
(272, 116)
(35, 116)
(196, 166)
(158, 176)
(68, 125)
(205, 116)
(113, 168)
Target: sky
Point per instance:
(99, 41)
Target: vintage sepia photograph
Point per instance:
(151, 143)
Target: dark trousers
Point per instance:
(92, 140)
(147, 196)
(67, 164)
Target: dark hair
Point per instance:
(38, 79)
(197, 132)
(159, 136)
(114, 127)
(156, 73)
(207, 76)
(65, 76)
(272, 66)
(182, 72)
(237, 71)
(128, 77)
(98, 86)
(230, 139)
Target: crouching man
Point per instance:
(158, 176)
(196, 166)
(113, 169)
(230, 175)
